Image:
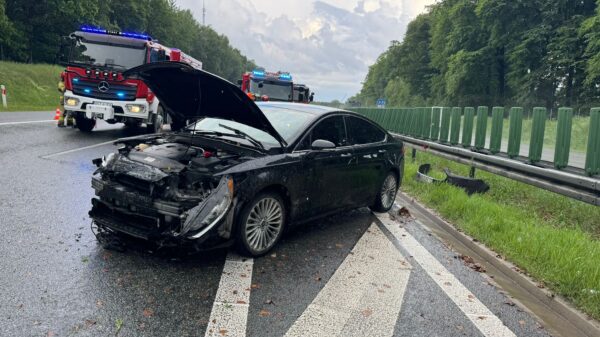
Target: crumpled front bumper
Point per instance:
(126, 210)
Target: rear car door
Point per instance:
(368, 142)
(329, 171)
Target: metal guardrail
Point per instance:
(447, 132)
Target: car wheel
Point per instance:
(85, 124)
(387, 194)
(261, 224)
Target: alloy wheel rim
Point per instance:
(264, 224)
(388, 191)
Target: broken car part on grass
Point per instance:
(470, 185)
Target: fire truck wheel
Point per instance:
(159, 121)
(85, 124)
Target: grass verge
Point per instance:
(551, 237)
(30, 87)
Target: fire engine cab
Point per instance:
(95, 88)
(261, 85)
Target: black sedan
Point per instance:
(242, 172)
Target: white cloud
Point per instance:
(326, 44)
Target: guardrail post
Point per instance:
(496, 133)
(419, 126)
(514, 132)
(563, 138)
(387, 118)
(481, 130)
(592, 161)
(436, 113)
(455, 125)
(411, 123)
(445, 126)
(536, 144)
(426, 123)
(469, 119)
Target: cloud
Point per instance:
(326, 44)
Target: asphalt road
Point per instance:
(354, 274)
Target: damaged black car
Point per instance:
(241, 173)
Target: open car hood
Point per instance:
(190, 93)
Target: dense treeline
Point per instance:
(30, 30)
(493, 52)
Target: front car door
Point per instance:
(328, 171)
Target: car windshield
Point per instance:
(105, 55)
(288, 123)
(275, 90)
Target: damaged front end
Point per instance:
(165, 192)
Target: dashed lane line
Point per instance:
(229, 315)
(27, 122)
(488, 323)
(76, 150)
(364, 295)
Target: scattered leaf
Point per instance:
(339, 245)
(50, 334)
(264, 313)
(241, 302)
(522, 322)
(255, 286)
(148, 313)
(89, 323)
(118, 326)
(447, 284)
(223, 332)
(367, 312)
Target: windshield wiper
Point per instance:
(236, 135)
(244, 135)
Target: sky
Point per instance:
(325, 44)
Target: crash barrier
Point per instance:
(450, 131)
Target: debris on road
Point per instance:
(469, 262)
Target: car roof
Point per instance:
(315, 110)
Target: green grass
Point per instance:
(30, 86)
(551, 237)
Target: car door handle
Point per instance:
(346, 155)
(382, 151)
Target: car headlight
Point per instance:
(212, 210)
(135, 108)
(71, 101)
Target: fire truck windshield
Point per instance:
(107, 55)
(275, 90)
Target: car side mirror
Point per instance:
(321, 144)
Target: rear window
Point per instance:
(362, 132)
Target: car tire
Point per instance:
(158, 121)
(85, 124)
(261, 224)
(386, 194)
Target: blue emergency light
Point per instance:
(285, 77)
(87, 91)
(121, 94)
(258, 73)
(95, 30)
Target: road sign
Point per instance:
(380, 103)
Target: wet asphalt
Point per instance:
(56, 280)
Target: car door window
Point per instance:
(361, 131)
(331, 129)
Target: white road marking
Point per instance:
(363, 297)
(77, 149)
(229, 315)
(477, 312)
(27, 122)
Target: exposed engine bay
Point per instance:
(165, 186)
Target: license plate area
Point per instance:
(100, 110)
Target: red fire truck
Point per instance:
(266, 86)
(94, 85)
